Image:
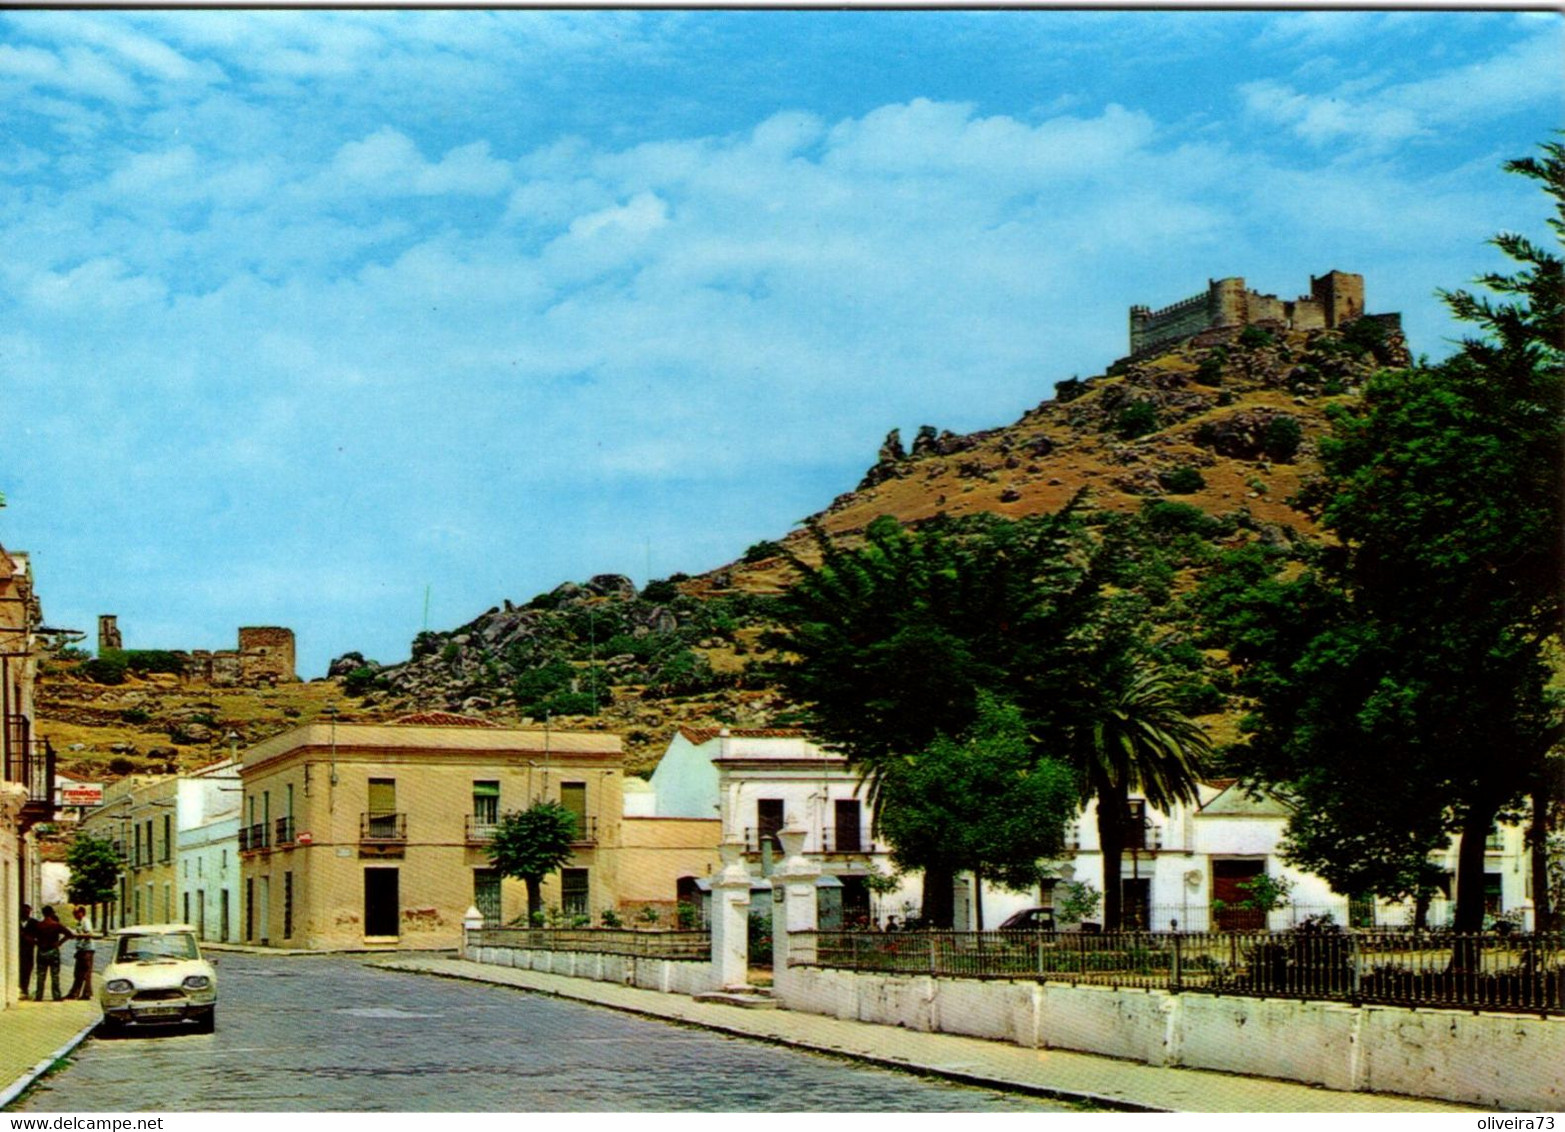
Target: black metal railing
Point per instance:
(586, 830)
(603, 941)
(253, 837)
(282, 831)
(755, 838)
(849, 839)
(383, 827)
(1481, 971)
(29, 762)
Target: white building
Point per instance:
(1188, 864)
(758, 780)
(208, 856)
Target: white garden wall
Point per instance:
(1508, 1061)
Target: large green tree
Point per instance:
(1401, 684)
(982, 802)
(530, 844)
(895, 641)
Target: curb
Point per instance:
(26, 1080)
(998, 1084)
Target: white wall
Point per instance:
(1507, 1061)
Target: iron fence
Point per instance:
(604, 941)
(1406, 968)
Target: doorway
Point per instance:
(382, 908)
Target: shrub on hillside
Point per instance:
(1255, 338)
(1069, 389)
(1282, 439)
(1182, 480)
(1136, 419)
(1210, 371)
(105, 670)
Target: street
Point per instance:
(333, 1034)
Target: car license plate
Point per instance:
(159, 1012)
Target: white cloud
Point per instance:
(388, 163)
(1378, 114)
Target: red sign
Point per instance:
(305, 838)
(82, 794)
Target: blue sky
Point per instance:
(304, 312)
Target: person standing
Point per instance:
(81, 974)
(48, 935)
(28, 925)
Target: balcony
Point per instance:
(755, 839)
(29, 762)
(253, 838)
(480, 828)
(383, 829)
(282, 831)
(852, 839)
(586, 830)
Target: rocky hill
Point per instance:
(1227, 421)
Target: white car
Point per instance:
(157, 977)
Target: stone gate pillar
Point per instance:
(731, 918)
(793, 905)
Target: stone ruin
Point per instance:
(265, 655)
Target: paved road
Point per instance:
(330, 1034)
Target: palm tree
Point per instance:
(1136, 739)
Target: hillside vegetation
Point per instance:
(1226, 423)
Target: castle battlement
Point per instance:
(265, 655)
(1335, 299)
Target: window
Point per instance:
(186, 902)
(287, 905)
(847, 838)
(382, 818)
(1136, 825)
(168, 837)
(573, 892)
(573, 796)
(486, 804)
(768, 820)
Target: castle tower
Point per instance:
(1341, 296)
(1226, 302)
(266, 652)
(109, 633)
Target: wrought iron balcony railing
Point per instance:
(385, 828)
(282, 831)
(29, 762)
(852, 839)
(253, 837)
(586, 830)
(754, 839)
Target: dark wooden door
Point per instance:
(382, 910)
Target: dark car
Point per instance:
(1030, 920)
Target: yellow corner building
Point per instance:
(376, 835)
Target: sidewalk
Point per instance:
(34, 1035)
(1059, 1074)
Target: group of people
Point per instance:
(40, 952)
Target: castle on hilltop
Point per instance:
(265, 655)
(1335, 299)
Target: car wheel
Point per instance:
(207, 1022)
(111, 1027)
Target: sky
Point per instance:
(360, 322)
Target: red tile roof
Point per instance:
(699, 735)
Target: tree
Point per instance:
(892, 641)
(982, 802)
(1137, 739)
(1401, 684)
(530, 844)
(95, 871)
